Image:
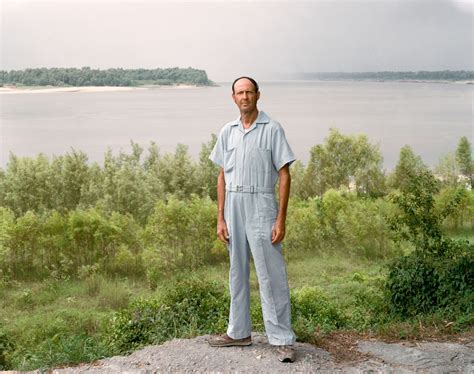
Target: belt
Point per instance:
(249, 189)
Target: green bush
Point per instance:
(412, 284)
(60, 349)
(420, 283)
(312, 311)
(181, 234)
(187, 308)
(340, 222)
(6, 347)
(369, 307)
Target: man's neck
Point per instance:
(248, 118)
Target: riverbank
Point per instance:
(53, 89)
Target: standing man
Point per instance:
(253, 153)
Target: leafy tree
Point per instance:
(207, 171)
(445, 199)
(344, 160)
(125, 188)
(27, 184)
(298, 188)
(464, 159)
(447, 170)
(178, 173)
(439, 272)
(408, 167)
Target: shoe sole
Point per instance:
(241, 344)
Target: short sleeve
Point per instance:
(282, 153)
(217, 154)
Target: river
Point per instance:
(430, 117)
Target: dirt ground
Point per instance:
(336, 353)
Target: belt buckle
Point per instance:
(239, 188)
(252, 190)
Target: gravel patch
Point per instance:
(196, 356)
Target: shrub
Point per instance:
(420, 283)
(312, 311)
(184, 309)
(437, 275)
(412, 283)
(124, 263)
(6, 347)
(61, 349)
(181, 233)
(340, 222)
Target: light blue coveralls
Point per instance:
(251, 162)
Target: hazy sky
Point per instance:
(231, 38)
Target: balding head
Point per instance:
(253, 81)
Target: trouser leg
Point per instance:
(273, 281)
(239, 252)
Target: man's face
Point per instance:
(245, 96)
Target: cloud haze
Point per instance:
(227, 39)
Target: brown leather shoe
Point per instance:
(225, 340)
(286, 353)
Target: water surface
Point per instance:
(430, 117)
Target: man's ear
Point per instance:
(258, 95)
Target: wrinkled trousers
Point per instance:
(250, 218)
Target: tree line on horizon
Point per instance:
(444, 75)
(86, 76)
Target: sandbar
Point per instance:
(51, 89)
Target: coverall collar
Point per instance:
(262, 118)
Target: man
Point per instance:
(253, 153)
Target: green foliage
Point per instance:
(52, 244)
(184, 309)
(339, 223)
(127, 183)
(63, 349)
(438, 274)
(454, 206)
(208, 170)
(180, 234)
(420, 284)
(341, 160)
(448, 170)
(311, 310)
(412, 284)
(6, 347)
(417, 220)
(464, 160)
(408, 168)
(178, 173)
(109, 77)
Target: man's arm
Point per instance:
(222, 232)
(278, 231)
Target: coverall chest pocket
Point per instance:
(264, 157)
(229, 160)
(267, 207)
(264, 166)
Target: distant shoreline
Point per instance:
(373, 80)
(52, 89)
(55, 89)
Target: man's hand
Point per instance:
(278, 231)
(222, 232)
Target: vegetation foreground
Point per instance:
(100, 260)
